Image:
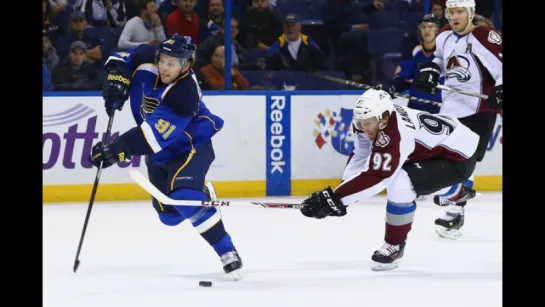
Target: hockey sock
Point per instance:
(468, 183)
(399, 219)
(206, 220)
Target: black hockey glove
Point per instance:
(428, 77)
(388, 88)
(323, 203)
(495, 98)
(115, 91)
(109, 154)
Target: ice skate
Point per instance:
(210, 191)
(232, 264)
(387, 257)
(450, 226)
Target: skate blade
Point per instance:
(451, 234)
(236, 274)
(377, 266)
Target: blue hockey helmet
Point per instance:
(429, 18)
(177, 46)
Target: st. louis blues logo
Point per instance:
(335, 128)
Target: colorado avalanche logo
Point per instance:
(335, 127)
(458, 67)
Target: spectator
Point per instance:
(214, 73)
(184, 21)
(347, 24)
(75, 73)
(49, 54)
(238, 53)
(295, 51)
(438, 11)
(105, 13)
(480, 20)
(167, 7)
(47, 17)
(78, 32)
(47, 86)
(214, 21)
(260, 27)
(146, 28)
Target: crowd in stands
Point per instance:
(275, 44)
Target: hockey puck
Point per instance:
(205, 284)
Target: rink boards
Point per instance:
(272, 144)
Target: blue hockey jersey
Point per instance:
(172, 119)
(407, 72)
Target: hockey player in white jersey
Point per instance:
(405, 151)
(470, 57)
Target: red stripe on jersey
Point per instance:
(422, 153)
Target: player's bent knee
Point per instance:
(192, 213)
(171, 219)
(400, 189)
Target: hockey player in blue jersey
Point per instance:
(174, 130)
(407, 71)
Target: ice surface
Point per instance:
(130, 259)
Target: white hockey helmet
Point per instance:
(372, 103)
(469, 5)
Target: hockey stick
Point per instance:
(93, 193)
(463, 92)
(364, 86)
(145, 184)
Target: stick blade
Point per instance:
(76, 265)
(145, 184)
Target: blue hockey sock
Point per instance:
(469, 182)
(206, 220)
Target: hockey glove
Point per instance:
(388, 88)
(109, 154)
(323, 203)
(428, 77)
(115, 91)
(495, 98)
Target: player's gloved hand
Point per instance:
(388, 88)
(495, 98)
(115, 91)
(109, 154)
(428, 77)
(323, 203)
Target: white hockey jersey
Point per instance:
(411, 135)
(471, 62)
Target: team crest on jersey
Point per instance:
(149, 104)
(458, 67)
(335, 128)
(382, 139)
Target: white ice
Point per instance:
(130, 259)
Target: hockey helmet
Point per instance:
(469, 5)
(429, 18)
(177, 46)
(372, 104)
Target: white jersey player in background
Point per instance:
(405, 151)
(470, 57)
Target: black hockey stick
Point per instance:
(365, 86)
(93, 193)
